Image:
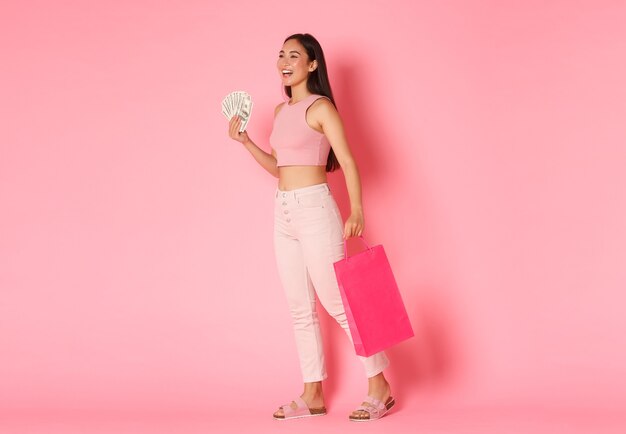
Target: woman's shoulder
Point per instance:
(316, 97)
(321, 110)
(321, 102)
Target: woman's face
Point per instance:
(293, 63)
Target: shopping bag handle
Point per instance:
(345, 246)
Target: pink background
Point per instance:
(138, 289)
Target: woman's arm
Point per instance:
(324, 114)
(267, 161)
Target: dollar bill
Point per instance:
(238, 103)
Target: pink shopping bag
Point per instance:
(374, 308)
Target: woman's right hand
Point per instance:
(233, 130)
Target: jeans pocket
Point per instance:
(315, 200)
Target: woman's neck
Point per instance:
(299, 92)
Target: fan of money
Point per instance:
(238, 103)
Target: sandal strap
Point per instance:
(376, 403)
(300, 402)
(301, 409)
(374, 409)
(373, 412)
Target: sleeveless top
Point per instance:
(294, 141)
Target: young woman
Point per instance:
(307, 141)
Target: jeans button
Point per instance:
(286, 212)
(284, 203)
(284, 194)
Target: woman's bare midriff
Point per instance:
(292, 177)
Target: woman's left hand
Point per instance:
(354, 225)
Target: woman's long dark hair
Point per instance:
(317, 82)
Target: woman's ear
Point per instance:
(313, 66)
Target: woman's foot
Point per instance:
(379, 388)
(313, 396)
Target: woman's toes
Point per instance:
(359, 414)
